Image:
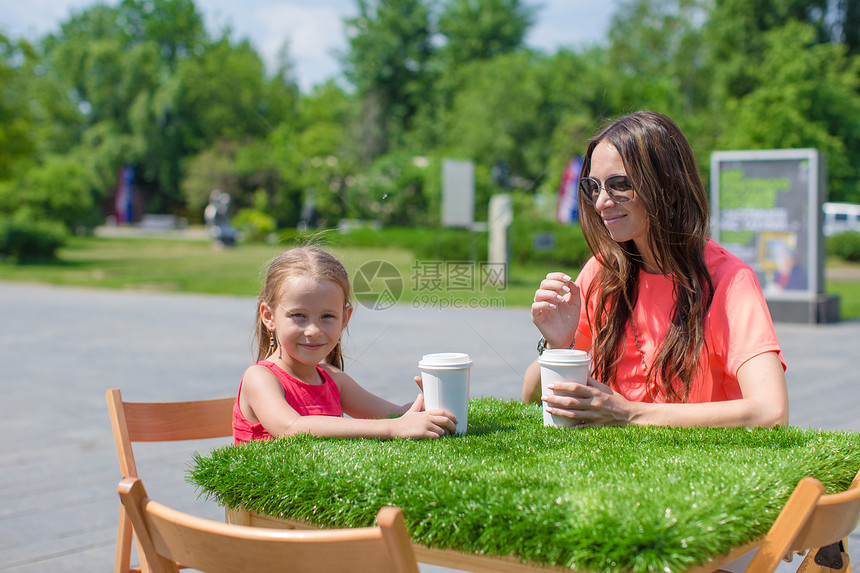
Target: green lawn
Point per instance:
(177, 265)
(150, 264)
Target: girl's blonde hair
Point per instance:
(310, 262)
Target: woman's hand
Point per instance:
(595, 404)
(556, 308)
(416, 423)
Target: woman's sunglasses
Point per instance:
(618, 187)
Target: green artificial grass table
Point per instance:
(512, 491)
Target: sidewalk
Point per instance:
(60, 349)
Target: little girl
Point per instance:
(298, 385)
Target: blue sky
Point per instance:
(313, 28)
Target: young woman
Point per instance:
(677, 327)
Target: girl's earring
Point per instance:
(273, 342)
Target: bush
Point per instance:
(329, 237)
(254, 225)
(58, 190)
(362, 236)
(391, 191)
(548, 243)
(25, 241)
(426, 243)
(845, 246)
(450, 245)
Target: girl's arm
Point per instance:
(262, 401)
(531, 383)
(764, 402)
(360, 403)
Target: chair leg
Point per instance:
(808, 565)
(788, 523)
(123, 543)
(144, 565)
(846, 565)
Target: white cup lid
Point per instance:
(562, 356)
(445, 360)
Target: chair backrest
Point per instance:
(165, 422)
(808, 521)
(168, 536)
(159, 422)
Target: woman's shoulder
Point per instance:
(725, 267)
(721, 261)
(589, 269)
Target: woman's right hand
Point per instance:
(416, 423)
(556, 307)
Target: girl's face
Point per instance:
(308, 320)
(624, 221)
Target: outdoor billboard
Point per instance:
(766, 209)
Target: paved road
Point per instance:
(61, 348)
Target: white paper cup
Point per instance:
(445, 377)
(557, 364)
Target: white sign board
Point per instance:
(458, 193)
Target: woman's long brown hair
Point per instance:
(660, 163)
(308, 261)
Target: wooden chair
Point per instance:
(168, 536)
(158, 422)
(812, 522)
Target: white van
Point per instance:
(839, 217)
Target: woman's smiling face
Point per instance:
(624, 221)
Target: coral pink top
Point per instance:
(738, 327)
(306, 399)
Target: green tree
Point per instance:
(325, 143)
(806, 95)
(576, 101)
(211, 169)
(496, 115)
(846, 27)
(142, 83)
(391, 191)
(656, 55)
(387, 60)
(524, 109)
(306, 151)
(219, 95)
(468, 31)
(16, 144)
(103, 67)
(482, 29)
(59, 190)
(175, 27)
(735, 36)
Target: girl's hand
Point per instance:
(409, 405)
(417, 424)
(595, 404)
(556, 308)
